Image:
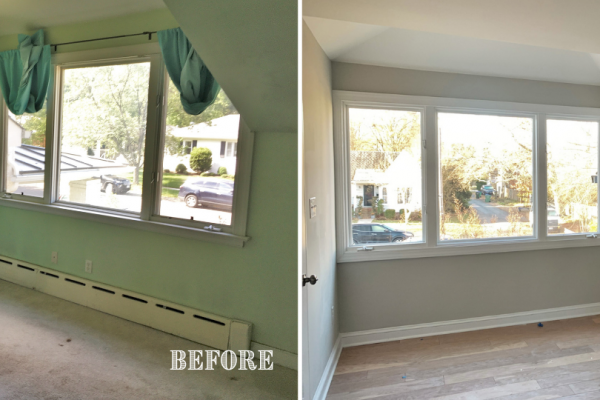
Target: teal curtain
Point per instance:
(25, 74)
(196, 85)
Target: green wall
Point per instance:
(257, 283)
(137, 23)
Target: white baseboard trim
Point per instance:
(464, 325)
(209, 329)
(325, 382)
(280, 357)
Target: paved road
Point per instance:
(486, 211)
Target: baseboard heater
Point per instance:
(208, 329)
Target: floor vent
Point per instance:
(205, 328)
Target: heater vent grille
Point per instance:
(208, 329)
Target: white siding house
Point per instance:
(219, 136)
(399, 185)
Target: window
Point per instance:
(110, 147)
(104, 106)
(404, 196)
(572, 172)
(385, 152)
(187, 146)
(462, 176)
(486, 164)
(24, 163)
(206, 192)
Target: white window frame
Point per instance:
(432, 245)
(149, 218)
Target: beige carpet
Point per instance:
(53, 349)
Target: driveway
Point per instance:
(486, 211)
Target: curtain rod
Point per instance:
(105, 38)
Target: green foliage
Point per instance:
(181, 169)
(176, 116)
(479, 184)
(222, 171)
(174, 145)
(201, 159)
(167, 171)
(172, 180)
(455, 189)
(390, 214)
(226, 176)
(359, 208)
(90, 152)
(107, 105)
(36, 123)
(378, 207)
(208, 174)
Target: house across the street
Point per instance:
(391, 176)
(219, 136)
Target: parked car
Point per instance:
(378, 233)
(207, 192)
(553, 221)
(487, 189)
(114, 184)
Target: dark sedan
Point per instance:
(114, 184)
(378, 233)
(210, 193)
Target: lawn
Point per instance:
(170, 180)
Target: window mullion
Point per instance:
(53, 122)
(3, 142)
(540, 200)
(151, 175)
(431, 171)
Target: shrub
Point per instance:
(201, 159)
(226, 176)
(359, 207)
(390, 214)
(415, 216)
(208, 174)
(168, 171)
(180, 169)
(378, 203)
(222, 171)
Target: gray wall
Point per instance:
(319, 182)
(382, 294)
(367, 78)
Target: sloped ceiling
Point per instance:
(251, 47)
(29, 15)
(463, 36)
(563, 24)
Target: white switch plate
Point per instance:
(88, 266)
(54, 258)
(312, 203)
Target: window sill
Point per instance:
(130, 221)
(381, 253)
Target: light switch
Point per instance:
(312, 202)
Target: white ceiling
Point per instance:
(28, 15)
(551, 40)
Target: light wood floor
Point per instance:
(561, 360)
